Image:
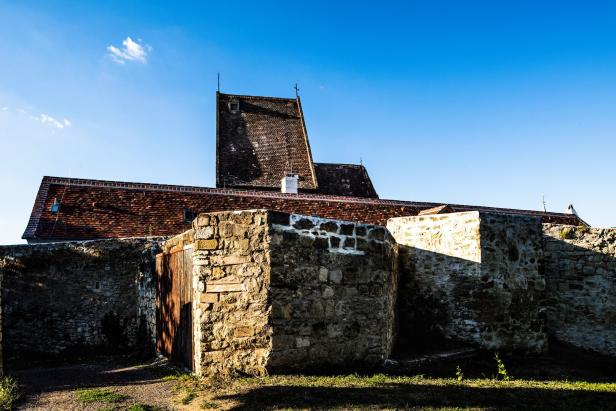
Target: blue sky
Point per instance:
(486, 103)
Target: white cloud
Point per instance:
(4, 108)
(48, 120)
(132, 51)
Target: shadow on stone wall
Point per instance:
(424, 314)
(66, 301)
(449, 302)
(581, 289)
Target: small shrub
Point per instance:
(190, 395)
(143, 407)
(99, 395)
(459, 374)
(567, 233)
(206, 405)
(501, 370)
(9, 393)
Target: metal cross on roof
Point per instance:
(296, 90)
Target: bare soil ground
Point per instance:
(55, 388)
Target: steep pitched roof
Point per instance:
(344, 180)
(110, 209)
(259, 140)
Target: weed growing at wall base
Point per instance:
(9, 393)
(501, 370)
(459, 374)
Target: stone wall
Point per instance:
(231, 308)
(69, 299)
(470, 277)
(333, 292)
(1, 341)
(580, 270)
(282, 292)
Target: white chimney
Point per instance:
(570, 210)
(288, 184)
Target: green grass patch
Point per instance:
(105, 395)
(9, 393)
(208, 405)
(143, 407)
(380, 391)
(180, 377)
(187, 399)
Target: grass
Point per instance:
(104, 395)
(488, 382)
(181, 377)
(187, 399)
(9, 393)
(387, 391)
(143, 407)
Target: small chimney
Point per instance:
(288, 184)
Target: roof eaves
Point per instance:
(37, 209)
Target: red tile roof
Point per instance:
(105, 209)
(261, 142)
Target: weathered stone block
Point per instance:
(335, 276)
(224, 287)
(210, 297)
(323, 274)
(303, 224)
(206, 244)
(330, 226)
(243, 331)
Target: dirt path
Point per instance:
(54, 388)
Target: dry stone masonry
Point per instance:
(471, 277)
(333, 292)
(280, 291)
(580, 266)
(273, 291)
(65, 299)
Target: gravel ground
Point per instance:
(54, 388)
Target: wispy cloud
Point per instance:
(48, 120)
(4, 109)
(131, 51)
(44, 118)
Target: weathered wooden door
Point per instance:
(174, 306)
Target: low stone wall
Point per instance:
(580, 270)
(470, 277)
(66, 299)
(284, 292)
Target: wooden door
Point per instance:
(174, 306)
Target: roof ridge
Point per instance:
(341, 164)
(274, 194)
(257, 97)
